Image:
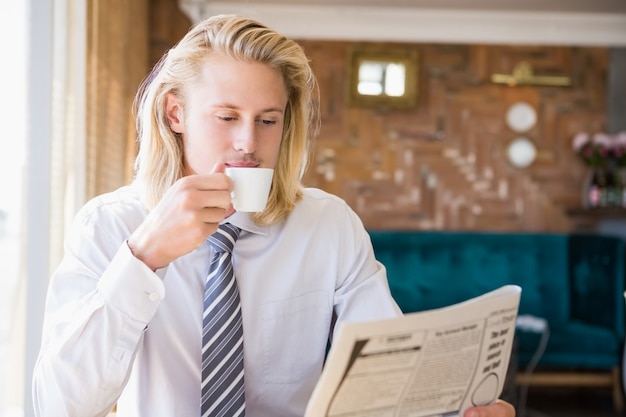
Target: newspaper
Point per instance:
(428, 364)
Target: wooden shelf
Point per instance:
(598, 213)
(604, 221)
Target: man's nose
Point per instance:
(245, 138)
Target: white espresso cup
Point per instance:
(251, 187)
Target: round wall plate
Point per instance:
(521, 152)
(521, 117)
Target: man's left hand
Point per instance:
(498, 409)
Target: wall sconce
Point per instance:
(523, 75)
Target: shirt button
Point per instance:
(153, 296)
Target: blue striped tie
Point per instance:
(222, 332)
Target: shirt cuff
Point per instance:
(131, 286)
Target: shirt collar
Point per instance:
(244, 221)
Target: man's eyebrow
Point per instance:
(234, 107)
(274, 110)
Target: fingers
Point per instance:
(188, 213)
(197, 192)
(498, 409)
(218, 168)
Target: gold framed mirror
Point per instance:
(382, 78)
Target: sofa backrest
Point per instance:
(430, 269)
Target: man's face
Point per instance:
(233, 114)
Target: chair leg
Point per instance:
(618, 395)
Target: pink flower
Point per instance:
(601, 149)
(580, 140)
(620, 139)
(594, 150)
(618, 148)
(603, 140)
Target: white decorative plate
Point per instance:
(521, 152)
(521, 117)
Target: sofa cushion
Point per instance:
(587, 346)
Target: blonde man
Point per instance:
(123, 317)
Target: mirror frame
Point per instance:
(407, 57)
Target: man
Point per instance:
(124, 314)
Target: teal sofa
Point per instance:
(575, 283)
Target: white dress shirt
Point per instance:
(115, 331)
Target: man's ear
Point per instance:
(174, 113)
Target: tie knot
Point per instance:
(224, 239)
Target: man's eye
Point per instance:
(226, 118)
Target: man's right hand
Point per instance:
(189, 212)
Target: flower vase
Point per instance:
(594, 188)
(612, 195)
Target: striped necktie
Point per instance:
(222, 332)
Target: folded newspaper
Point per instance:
(434, 363)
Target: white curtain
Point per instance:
(68, 120)
(12, 161)
(66, 172)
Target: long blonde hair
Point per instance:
(160, 160)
